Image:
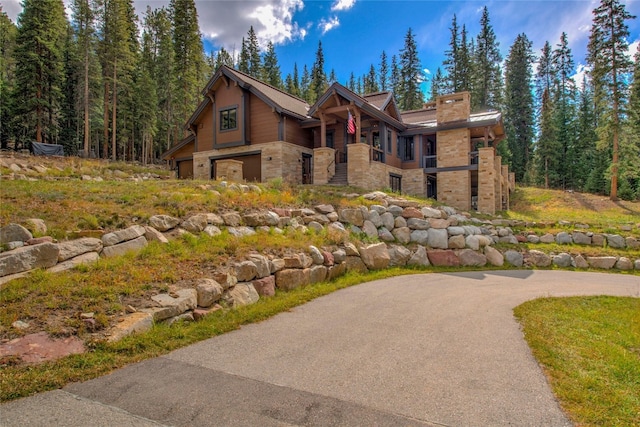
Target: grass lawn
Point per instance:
(589, 347)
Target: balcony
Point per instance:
(430, 164)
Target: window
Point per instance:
(329, 136)
(228, 119)
(395, 182)
(406, 149)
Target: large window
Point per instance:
(406, 149)
(228, 118)
(395, 182)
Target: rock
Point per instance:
(456, 231)
(122, 248)
(428, 212)
(298, 261)
(514, 258)
(580, 262)
(580, 238)
(84, 259)
(351, 250)
(532, 238)
(562, 260)
(439, 223)
(317, 274)
(339, 256)
(39, 347)
(420, 237)
(163, 222)
(291, 278)
(214, 219)
(624, 263)
(375, 256)
(399, 255)
(412, 212)
(378, 208)
(116, 237)
(402, 234)
(225, 279)
(510, 239)
(257, 219)
(473, 242)
(457, 242)
(186, 299)
(354, 263)
(315, 226)
(598, 239)
(209, 292)
(324, 209)
(241, 294)
(153, 235)
(418, 224)
(195, 223)
(419, 257)
(14, 233)
(20, 325)
(438, 238)
(494, 257)
(276, 264)
(36, 226)
(547, 238)
(538, 259)
(443, 258)
(471, 258)
(336, 231)
(632, 242)
(263, 269)
(266, 286)
(388, 220)
(636, 264)
(184, 317)
(201, 313)
(134, 323)
(352, 216)
(615, 241)
(374, 218)
(28, 258)
(604, 262)
(370, 229)
(231, 219)
(38, 240)
(327, 259)
(246, 271)
(385, 235)
(73, 248)
(399, 222)
(336, 271)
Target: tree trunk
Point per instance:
(113, 113)
(87, 129)
(105, 142)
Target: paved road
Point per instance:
(421, 350)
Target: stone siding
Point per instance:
(454, 107)
(453, 148)
(324, 165)
(454, 189)
(486, 181)
(229, 169)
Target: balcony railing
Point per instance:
(473, 158)
(431, 162)
(377, 155)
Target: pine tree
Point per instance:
(84, 25)
(438, 84)
(223, 58)
(519, 108)
(270, 68)
(451, 63)
(546, 146)
(146, 94)
(395, 77)
(564, 111)
(371, 81)
(630, 140)
(69, 114)
(305, 84)
(465, 62)
(487, 84)
(253, 50)
(318, 76)
(384, 72)
(585, 142)
(8, 33)
(243, 61)
(39, 69)
(189, 61)
(410, 96)
(607, 56)
(332, 77)
(545, 73)
(352, 82)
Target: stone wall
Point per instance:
(486, 181)
(324, 165)
(453, 107)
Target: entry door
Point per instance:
(306, 169)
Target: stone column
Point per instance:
(454, 189)
(324, 166)
(498, 183)
(506, 194)
(486, 181)
(229, 169)
(358, 166)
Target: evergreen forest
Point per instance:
(106, 83)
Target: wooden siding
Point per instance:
(185, 169)
(227, 97)
(264, 122)
(294, 134)
(204, 129)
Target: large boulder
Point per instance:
(246, 271)
(14, 233)
(241, 294)
(84, 259)
(116, 237)
(73, 248)
(494, 257)
(354, 263)
(604, 262)
(402, 234)
(388, 221)
(615, 241)
(563, 260)
(419, 257)
(291, 278)
(399, 255)
(438, 238)
(420, 237)
(514, 258)
(471, 258)
(195, 223)
(124, 247)
(263, 268)
(163, 222)
(266, 286)
(28, 258)
(376, 256)
(538, 259)
(352, 216)
(443, 258)
(174, 304)
(209, 292)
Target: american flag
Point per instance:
(351, 124)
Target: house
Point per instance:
(245, 129)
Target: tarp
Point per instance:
(42, 149)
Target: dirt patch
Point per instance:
(38, 348)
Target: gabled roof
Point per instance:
(274, 97)
(186, 141)
(360, 102)
(384, 100)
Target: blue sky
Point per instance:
(355, 32)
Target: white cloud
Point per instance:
(12, 8)
(634, 47)
(342, 5)
(327, 25)
(426, 71)
(582, 70)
